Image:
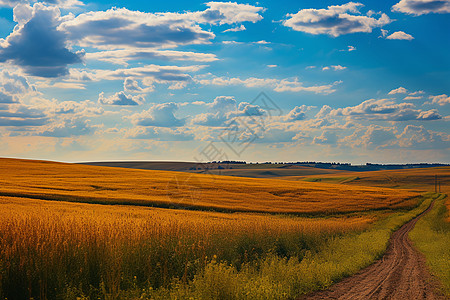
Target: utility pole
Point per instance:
(439, 187)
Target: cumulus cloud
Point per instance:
(236, 29)
(230, 13)
(210, 119)
(326, 138)
(223, 104)
(224, 109)
(159, 115)
(417, 137)
(116, 28)
(36, 44)
(378, 136)
(218, 113)
(131, 85)
(335, 20)
(296, 114)
(385, 109)
(421, 7)
(121, 99)
(324, 111)
(400, 35)
(400, 90)
(13, 83)
(248, 109)
(440, 99)
(334, 68)
(122, 28)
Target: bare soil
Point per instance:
(400, 274)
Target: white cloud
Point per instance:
(378, 137)
(441, 99)
(417, 137)
(231, 13)
(296, 86)
(421, 7)
(384, 32)
(85, 108)
(262, 42)
(349, 49)
(121, 28)
(159, 115)
(122, 57)
(131, 85)
(412, 98)
(236, 29)
(120, 98)
(387, 110)
(296, 114)
(284, 85)
(400, 90)
(59, 3)
(400, 35)
(176, 76)
(326, 138)
(334, 68)
(416, 93)
(36, 43)
(336, 20)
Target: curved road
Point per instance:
(400, 274)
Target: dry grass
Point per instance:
(68, 182)
(52, 250)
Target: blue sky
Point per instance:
(345, 81)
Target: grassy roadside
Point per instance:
(431, 236)
(273, 277)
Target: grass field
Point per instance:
(78, 247)
(432, 237)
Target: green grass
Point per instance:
(274, 277)
(431, 236)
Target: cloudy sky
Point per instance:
(278, 80)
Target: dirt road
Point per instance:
(400, 274)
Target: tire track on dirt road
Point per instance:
(401, 274)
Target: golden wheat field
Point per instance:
(68, 182)
(60, 237)
(49, 246)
